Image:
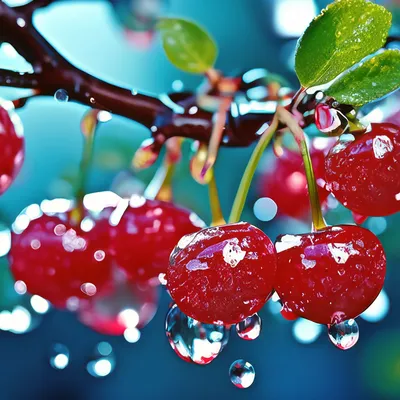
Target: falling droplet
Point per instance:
(242, 374)
(194, 341)
(249, 328)
(344, 335)
(61, 95)
(59, 356)
(102, 362)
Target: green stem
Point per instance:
(217, 217)
(287, 118)
(89, 126)
(160, 186)
(244, 186)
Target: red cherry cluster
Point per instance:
(12, 148)
(224, 274)
(67, 261)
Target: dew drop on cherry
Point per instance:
(61, 96)
(242, 374)
(249, 328)
(102, 362)
(344, 335)
(192, 340)
(59, 356)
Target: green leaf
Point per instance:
(341, 36)
(369, 81)
(187, 46)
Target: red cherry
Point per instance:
(12, 150)
(286, 184)
(144, 232)
(364, 174)
(330, 275)
(222, 275)
(119, 306)
(56, 259)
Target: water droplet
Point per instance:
(249, 328)
(59, 356)
(61, 95)
(194, 341)
(344, 335)
(242, 374)
(102, 362)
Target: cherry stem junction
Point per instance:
(88, 126)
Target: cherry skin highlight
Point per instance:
(221, 275)
(286, 183)
(364, 174)
(330, 275)
(12, 150)
(58, 260)
(144, 232)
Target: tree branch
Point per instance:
(166, 116)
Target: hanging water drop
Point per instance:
(242, 374)
(61, 95)
(194, 341)
(344, 335)
(59, 356)
(249, 328)
(102, 362)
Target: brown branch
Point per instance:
(53, 72)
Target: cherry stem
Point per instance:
(216, 134)
(288, 119)
(88, 126)
(217, 217)
(159, 187)
(244, 186)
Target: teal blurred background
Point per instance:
(249, 33)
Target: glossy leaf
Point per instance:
(187, 46)
(341, 36)
(369, 81)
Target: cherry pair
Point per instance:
(224, 274)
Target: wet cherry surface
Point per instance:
(12, 150)
(364, 174)
(144, 232)
(222, 274)
(286, 183)
(330, 275)
(55, 259)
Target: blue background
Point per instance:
(89, 35)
